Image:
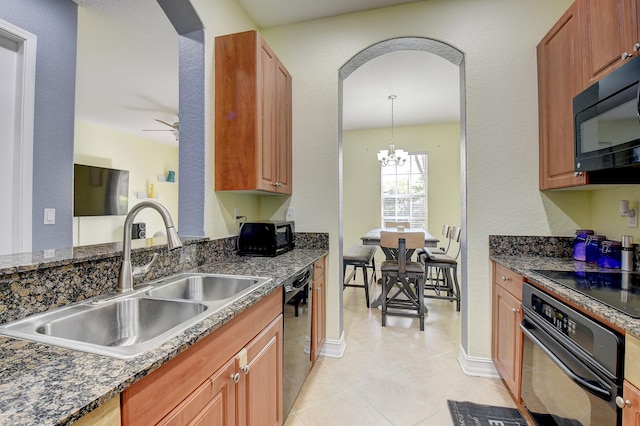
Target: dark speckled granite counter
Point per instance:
(524, 265)
(47, 385)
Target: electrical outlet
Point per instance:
(236, 214)
(291, 214)
(632, 221)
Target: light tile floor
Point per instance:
(393, 375)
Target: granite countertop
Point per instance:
(524, 265)
(21, 262)
(48, 385)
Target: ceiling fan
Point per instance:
(175, 128)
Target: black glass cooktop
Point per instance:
(619, 290)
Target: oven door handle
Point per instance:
(525, 326)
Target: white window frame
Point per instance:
(413, 220)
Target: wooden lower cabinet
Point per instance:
(507, 339)
(318, 308)
(630, 391)
(631, 411)
(231, 377)
(213, 403)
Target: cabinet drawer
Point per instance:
(509, 280)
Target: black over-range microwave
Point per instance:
(607, 122)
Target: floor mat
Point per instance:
(467, 413)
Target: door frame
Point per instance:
(456, 57)
(23, 135)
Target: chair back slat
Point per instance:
(455, 233)
(390, 224)
(413, 240)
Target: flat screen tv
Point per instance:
(98, 191)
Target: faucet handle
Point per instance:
(141, 270)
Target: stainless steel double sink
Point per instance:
(127, 325)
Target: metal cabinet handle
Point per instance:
(578, 174)
(622, 403)
(245, 369)
(235, 377)
(515, 310)
(505, 278)
(636, 47)
(625, 55)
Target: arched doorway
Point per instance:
(450, 54)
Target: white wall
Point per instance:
(498, 38)
(145, 160)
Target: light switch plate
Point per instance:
(49, 216)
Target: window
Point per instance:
(404, 192)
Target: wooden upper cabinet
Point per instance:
(252, 116)
(559, 81)
(610, 31)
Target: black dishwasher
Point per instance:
(296, 340)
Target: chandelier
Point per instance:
(392, 156)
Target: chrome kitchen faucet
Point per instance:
(125, 280)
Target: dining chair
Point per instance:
(442, 271)
(446, 233)
(402, 280)
(363, 257)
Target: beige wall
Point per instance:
(498, 39)
(361, 180)
(144, 159)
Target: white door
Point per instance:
(17, 87)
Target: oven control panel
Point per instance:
(564, 323)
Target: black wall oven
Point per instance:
(572, 369)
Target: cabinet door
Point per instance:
(213, 403)
(266, 146)
(260, 385)
(318, 309)
(283, 129)
(631, 413)
(559, 80)
(507, 338)
(609, 29)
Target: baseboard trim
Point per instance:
(476, 366)
(334, 348)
